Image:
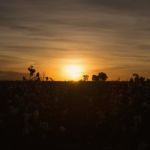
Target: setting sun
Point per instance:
(73, 72)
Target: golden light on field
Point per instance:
(73, 72)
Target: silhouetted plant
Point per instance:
(47, 78)
(32, 75)
(102, 76)
(95, 78)
(142, 79)
(137, 78)
(85, 77)
(131, 80)
(38, 76)
(31, 72)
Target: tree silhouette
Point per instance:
(102, 76)
(31, 72)
(32, 75)
(85, 77)
(95, 78)
(137, 78)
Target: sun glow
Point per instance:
(73, 72)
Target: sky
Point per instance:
(111, 36)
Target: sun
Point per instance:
(73, 72)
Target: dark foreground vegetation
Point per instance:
(75, 115)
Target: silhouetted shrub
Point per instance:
(33, 76)
(100, 77)
(137, 79)
(85, 77)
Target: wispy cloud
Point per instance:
(107, 32)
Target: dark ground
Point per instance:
(69, 115)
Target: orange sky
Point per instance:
(100, 35)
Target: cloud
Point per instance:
(95, 29)
(14, 62)
(9, 75)
(123, 6)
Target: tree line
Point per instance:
(102, 76)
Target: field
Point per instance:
(75, 115)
